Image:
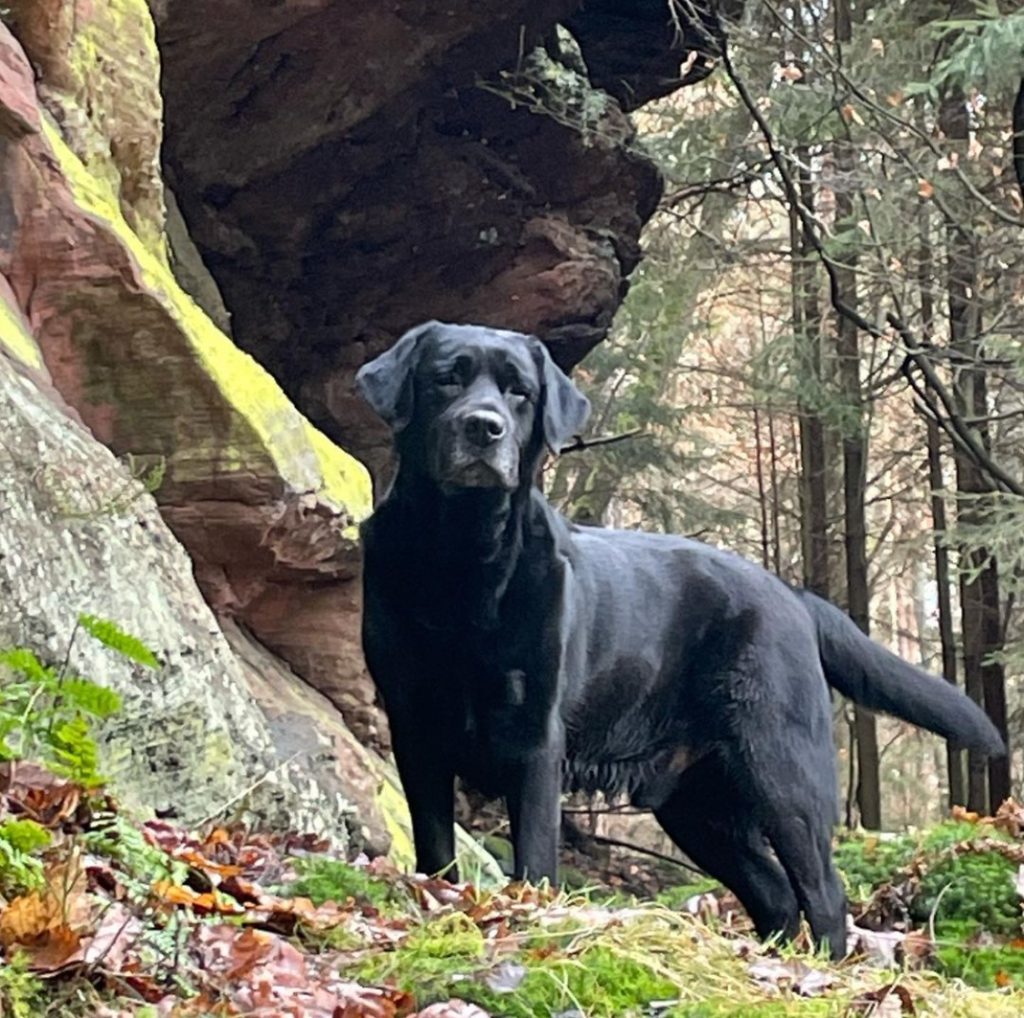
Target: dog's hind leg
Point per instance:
(793, 780)
(717, 828)
(800, 833)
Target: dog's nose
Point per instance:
(483, 427)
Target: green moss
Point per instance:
(975, 887)
(446, 958)
(323, 880)
(865, 861)
(22, 995)
(954, 832)
(395, 812)
(114, 69)
(986, 967)
(801, 1007)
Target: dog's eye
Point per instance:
(448, 380)
(518, 394)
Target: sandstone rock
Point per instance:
(106, 99)
(79, 534)
(258, 496)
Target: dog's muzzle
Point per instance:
(477, 449)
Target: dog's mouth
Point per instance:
(463, 467)
(481, 473)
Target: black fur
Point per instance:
(527, 654)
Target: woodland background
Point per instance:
(820, 363)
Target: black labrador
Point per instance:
(530, 655)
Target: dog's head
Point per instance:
(473, 406)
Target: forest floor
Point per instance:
(107, 917)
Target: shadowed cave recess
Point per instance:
(348, 169)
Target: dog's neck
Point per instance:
(466, 543)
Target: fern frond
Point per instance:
(90, 697)
(72, 753)
(25, 662)
(24, 835)
(116, 639)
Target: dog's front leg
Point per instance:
(428, 781)
(534, 812)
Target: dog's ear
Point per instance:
(564, 409)
(386, 381)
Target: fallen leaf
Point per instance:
(204, 903)
(886, 1002)
(850, 115)
(925, 188)
(48, 924)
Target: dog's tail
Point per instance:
(868, 674)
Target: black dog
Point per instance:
(527, 654)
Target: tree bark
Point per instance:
(979, 576)
(855, 454)
(954, 756)
(947, 639)
(807, 330)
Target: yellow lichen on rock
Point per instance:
(100, 77)
(15, 337)
(264, 424)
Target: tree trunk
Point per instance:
(762, 494)
(807, 330)
(947, 640)
(954, 756)
(979, 576)
(855, 452)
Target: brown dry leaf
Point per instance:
(1003, 979)
(47, 925)
(247, 950)
(963, 815)
(42, 795)
(1009, 818)
(918, 948)
(706, 905)
(792, 974)
(196, 859)
(205, 903)
(52, 949)
(357, 1001)
(850, 115)
(925, 189)
(886, 1002)
(117, 931)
